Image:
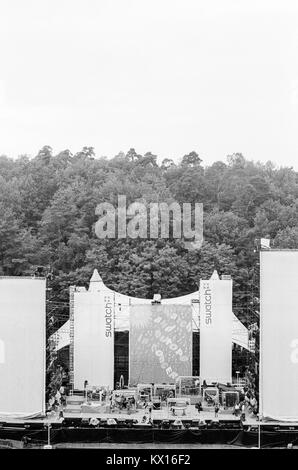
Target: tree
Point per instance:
(192, 159)
(287, 238)
(47, 217)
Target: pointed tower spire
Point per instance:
(95, 281)
(215, 276)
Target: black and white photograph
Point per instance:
(148, 227)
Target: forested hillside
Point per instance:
(47, 207)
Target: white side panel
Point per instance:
(216, 320)
(93, 339)
(22, 346)
(279, 335)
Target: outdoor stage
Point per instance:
(109, 414)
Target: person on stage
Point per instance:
(236, 409)
(243, 412)
(199, 407)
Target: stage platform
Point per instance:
(164, 414)
(197, 429)
(207, 416)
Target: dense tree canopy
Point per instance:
(47, 219)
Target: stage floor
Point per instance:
(163, 414)
(74, 430)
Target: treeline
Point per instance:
(47, 217)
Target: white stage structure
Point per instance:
(216, 323)
(22, 346)
(79, 339)
(93, 345)
(279, 334)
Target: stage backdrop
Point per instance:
(93, 339)
(279, 334)
(22, 346)
(160, 343)
(216, 320)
